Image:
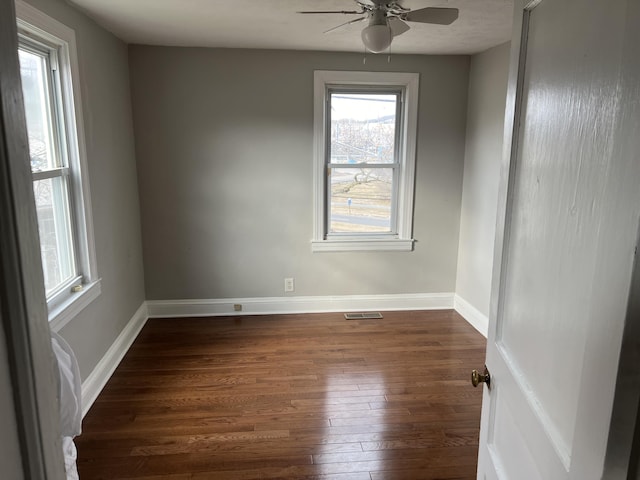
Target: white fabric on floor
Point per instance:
(70, 391)
(70, 457)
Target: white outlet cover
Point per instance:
(289, 285)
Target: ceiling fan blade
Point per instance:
(350, 22)
(438, 16)
(398, 27)
(346, 12)
(418, 4)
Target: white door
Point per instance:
(570, 203)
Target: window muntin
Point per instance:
(364, 178)
(362, 161)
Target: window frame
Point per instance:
(402, 212)
(36, 28)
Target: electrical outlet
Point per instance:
(289, 286)
(237, 307)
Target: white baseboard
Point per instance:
(95, 382)
(471, 314)
(316, 304)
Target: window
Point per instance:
(365, 137)
(48, 68)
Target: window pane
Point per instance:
(363, 128)
(37, 103)
(56, 245)
(360, 200)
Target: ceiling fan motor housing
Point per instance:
(377, 35)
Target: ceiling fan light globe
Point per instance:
(377, 38)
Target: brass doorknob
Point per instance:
(477, 378)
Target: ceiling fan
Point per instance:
(387, 19)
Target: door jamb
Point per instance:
(23, 313)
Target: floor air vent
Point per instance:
(362, 315)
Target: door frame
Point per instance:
(622, 460)
(624, 433)
(23, 309)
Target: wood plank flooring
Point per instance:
(290, 397)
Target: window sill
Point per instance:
(68, 309)
(372, 245)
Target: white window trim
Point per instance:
(33, 22)
(403, 240)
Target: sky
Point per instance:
(362, 106)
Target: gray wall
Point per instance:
(224, 151)
(106, 100)
(483, 154)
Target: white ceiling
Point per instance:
(274, 24)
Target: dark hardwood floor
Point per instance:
(290, 397)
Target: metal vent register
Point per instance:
(362, 315)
